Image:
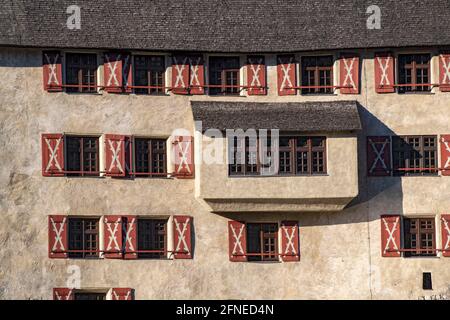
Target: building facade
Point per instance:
(136, 163)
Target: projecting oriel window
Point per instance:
(415, 155)
(420, 237)
(262, 242)
(414, 70)
(317, 72)
(224, 75)
(83, 238)
(152, 237)
(151, 158)
(149, 72)
(82, 156)
(81, 72)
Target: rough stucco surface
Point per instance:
(340, 252)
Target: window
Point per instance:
(419, 235)
(415, 155)
(152, 235)
(297, 156)
(89, 296)
(224, 73)
(317, 71)
(262, 242)
(414, 69)
(149, 71)
(82, 155)
(150, 156)
(81, 72)
(83, 238)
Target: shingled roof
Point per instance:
(303, 117)
(224, 25)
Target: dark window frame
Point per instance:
(81, 170)
(88, 295)
(267, 239)
(154, 75)
(153, 240)
(408, 67)
(405, 155)
(88, 236)
(219, 70)
(75, 73)
(312, 72)
(153, 150)
(414, 229)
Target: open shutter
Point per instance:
(237, 241)
(180, 74)
(290, 248)
(390, 236)
(378, 156)
(349, 74)
(445, 229)
(183, 149)
(115, 155)
(445, 155)
(112, 236)
(62, 294)
(127, 72)
(129, 140)
(57, 236)
(182, 237)
(129, 230)
(286, 75)
(444, 72)
(122, 294)
(384, 73)
(113, 74)
(256, 75)
(196, 75)
(52, 71)
(52, 154)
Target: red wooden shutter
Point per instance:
(290, 248)
(196, 75)
(286, 75)
(183, 148)
(256, 75)
(445, 155)
(62, 294)
(57, 236)
(444, 72)
(180, 74)
(390, 236)
(384, 73)
(182, 237)
(52, 154)
(130, 235)
(113, 74)
(237, 241)
(113, 236)
(349, 74)
(378, 156)
(127, 72)
(129, 154)
(122, 294)
(115, 155)
(445, 229)
(52, 70)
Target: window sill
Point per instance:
(279, 176)
(425, 93)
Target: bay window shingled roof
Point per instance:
(224, 25)
(331, 116)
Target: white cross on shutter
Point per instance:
(113, 243)
(384, 81)
(194, 65)
(181, 235)
(447, 229)
(348, 80)
(286, 82)
(117, 296)
(290, 240)
(179, 81)
(128, 238)
(58, 228)
(53, 154)
(447, 148)
(255, 71)
(183, 149)
(63, 297)
(378, 155)
(115, 161)
(52, 65)
(126, 62)
(112, 66)
(446, 65)
(237, 244)
(390, 232)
